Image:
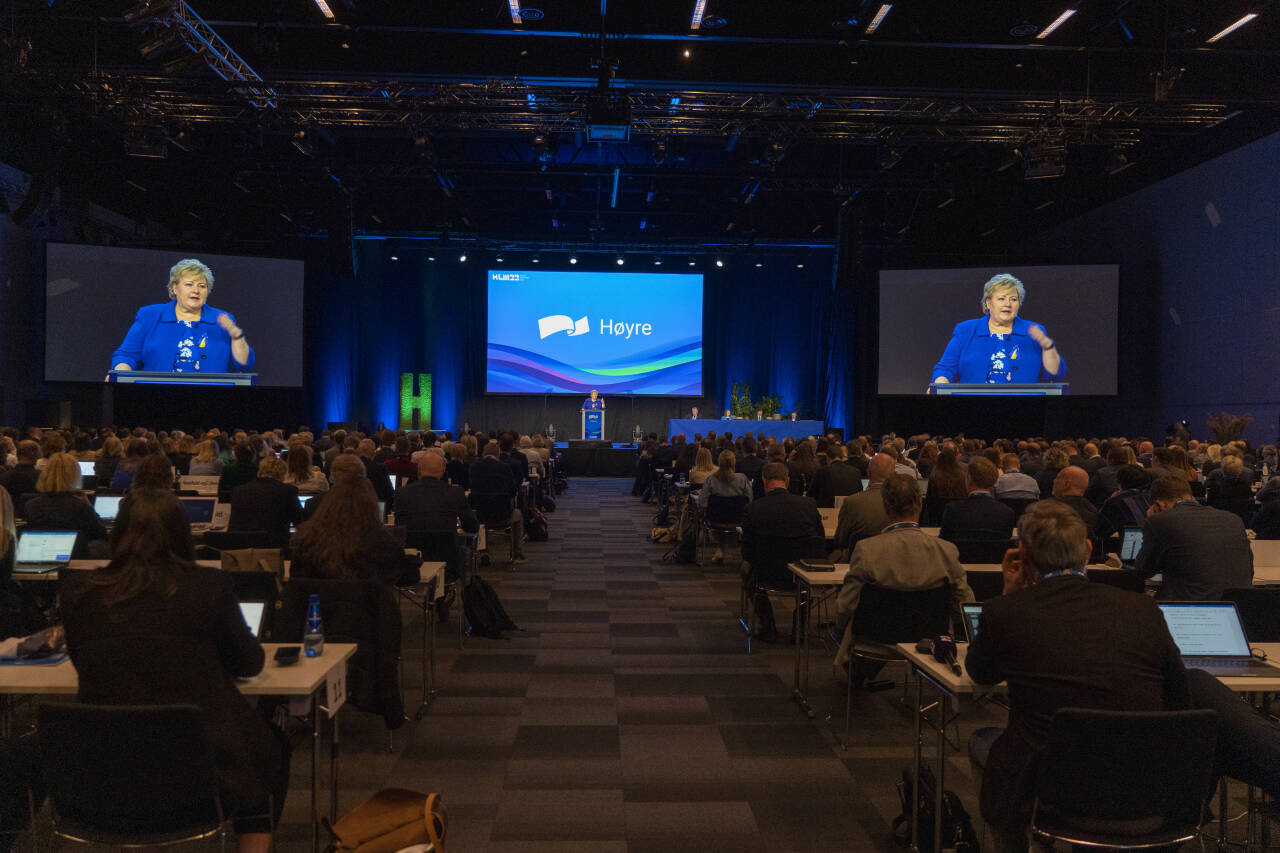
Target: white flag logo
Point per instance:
(562, 323)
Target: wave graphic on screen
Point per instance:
(673, 370)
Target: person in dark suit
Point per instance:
(21, 479)
(153, 588)
(1104, 481)
(777, 515)
(1069, 487)
(345, 539)
(979, 516)
(1199, 550)
(60, 506)
(266, 503)
(431, 505)
(837, 477)
(862, 514)
(750, 463)
(1060, 641)
(492, 479)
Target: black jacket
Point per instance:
(265, 504)
(429, 505)
(977, 517)
(66, 511)
(837, 478)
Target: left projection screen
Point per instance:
(555, 332)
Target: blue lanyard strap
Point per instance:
(901, 525)
(1062, 572)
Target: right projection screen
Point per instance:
(921, 311)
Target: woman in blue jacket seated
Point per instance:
(185, 335)
(1000, 347)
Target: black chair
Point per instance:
(1259, 609)
(885, 617)
(1121, 578)
(1123, 779)
(985, 585)
(721, 517)
(233, 540)
(933, 509)
(1018, 505)
(494, 512)
(984, 550)
(126, 775)
(354, 611)
(769, 576)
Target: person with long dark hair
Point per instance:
(154, 627)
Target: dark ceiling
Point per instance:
(758, 128)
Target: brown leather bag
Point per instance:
(391, 820)
(253, 560)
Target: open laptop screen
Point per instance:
(107, 506)
(1130, 544)
(45, 546)
(199, 510)
(1206, 628)
(253, 612)
(972, 614)
(86, 469)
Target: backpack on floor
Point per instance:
(391, 820)
(484, 611)
(958, 834)
(536, 528)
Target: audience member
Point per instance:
(59, 505)
(703, 467)
(492, 480)
(21, 479)
(431, 505)
(979, 516)
(1200, 551)
(309, 479)
(266, 503)
(835, 479)
(862, 514)
(1012, 483)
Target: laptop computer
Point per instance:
(107, 506)
(86, 469)
(1130, 545)
(1210, 636)
(972, 612)
(199, 511)
(254, 612)
(41, 551)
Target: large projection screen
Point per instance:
(1076, 305)
(553, 332)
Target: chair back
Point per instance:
(725, 509)
(1121, 578)
(1259, 609)
(1124, 778)
(436, 547)
(493, 510)
(985, 585)
(1018, 505)
(902, 616)
(772, 553)
(933, 509)
(116, 771)
(984, 550)
(233, 540)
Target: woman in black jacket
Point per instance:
(153, 627)
(61, 506)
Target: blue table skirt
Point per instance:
(780, 429)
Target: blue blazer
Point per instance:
(152, 341)
(967, 357)
(588, 403)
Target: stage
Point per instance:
(779, 429)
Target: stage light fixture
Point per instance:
(759, 264)
(573, 259)
(431, 257)
(699, 9)
(1057, 22)
(537, 259)
(395, 257)
(693, 262)
(720, 263)
(462, 259)
(514, 6)
(500, 259)
(657, 262)
(325, 10)
(878, 19)
(1231, 29)
(620, 261)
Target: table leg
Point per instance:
(915, 765)
(942, 770)
(315, 773)
(333, 769)
(6, 715)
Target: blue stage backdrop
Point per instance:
(783, 329)
(554, 332)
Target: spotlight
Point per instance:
(759, 264)
(462, 259)
(720, 263)
(620, 261)
(431, 257)
(537, 259)
(657, 262)
(395, 257)
(500, 259)
(573, 259)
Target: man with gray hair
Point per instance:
(1060, 641)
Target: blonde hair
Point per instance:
(8, 530)
(206, 451)
(727, 461)
(272, 468)
(1002, 281)
(703, 461)
(61, 474)
(187, 265)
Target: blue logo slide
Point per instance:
(569, 332)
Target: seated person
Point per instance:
(1012, 483)
(723, 482)
(242, 470)
(979, 516)
(1128, 506)
(21, 479)
(900, 557)
(836, 478)
(702, 467)
(309, 479)
(267, 503)
(135, 450)
(1266, 521)
(490, 478)
(458, 469)
(153, 588)
(401, 465)
(862, 514)
(1199, 550)
(345, 539)
(155, 471)
(1069, 487)
(59, 505)
(431, 505)
(777, 515)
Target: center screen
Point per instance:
(618, 333)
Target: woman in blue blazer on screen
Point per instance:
(185, 335)
(1000, 347)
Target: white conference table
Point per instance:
(952, 687)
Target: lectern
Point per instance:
(593, 424)
(1004, 389)
(157, 377)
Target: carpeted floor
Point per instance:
(627, 715)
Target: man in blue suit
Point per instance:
(979, 516)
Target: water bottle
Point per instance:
(313, 639)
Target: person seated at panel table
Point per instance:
(153, 588)
(979, 516)
(344, 537)
(900, 557)
(693, 413)
(185, 335)
(862, 514)
(781, 515)
(1000, 347)
(60, 505)
(431, 505)
(834, 479)
(1199, 551)
(266, 503)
